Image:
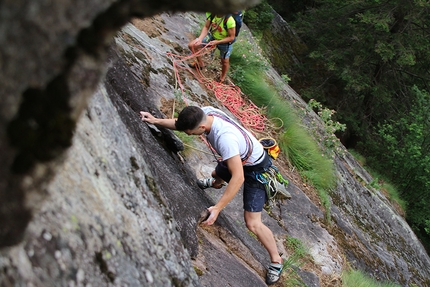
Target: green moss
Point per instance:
(134, 163)
(169, 75)
(141, 57)
(150, 182)
(75, 222)
(198, 271)
(252, 234)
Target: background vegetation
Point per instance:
(370, 62)
(355, 278)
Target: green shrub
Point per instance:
(248, 72)
(259, 17)
(354, 278)
(295, 260)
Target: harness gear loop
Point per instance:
(272, 179)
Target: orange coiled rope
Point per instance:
(245, 111)
(229, 95)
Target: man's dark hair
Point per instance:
(189, 118)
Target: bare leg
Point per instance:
(263, 233)
(225, 63)
(195, 49)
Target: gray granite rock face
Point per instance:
(52, 56)
(105, 222)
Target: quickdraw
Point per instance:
(273, 182)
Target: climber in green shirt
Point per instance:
(216, 31)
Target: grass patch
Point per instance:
(358, 157)
(299, 248)
(299, 254)
(394, 194)
(187, 141)
(380, 183)
(248, 72)
(252, 234)
(354, 278)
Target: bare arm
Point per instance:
(237, 178)
(205, 30)
(230, 37)
(165, 123)
(203, 33)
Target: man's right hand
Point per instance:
(147, 117)
(150, 119)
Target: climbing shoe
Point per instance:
(195, 65)
(274, 273)
(204, 183)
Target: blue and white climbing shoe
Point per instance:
(204, 183)
(274, 273)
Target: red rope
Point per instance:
(229, 95)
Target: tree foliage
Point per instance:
(404, 143)
(367, 53)
(259, 17)
(289, 9)
(370, 61)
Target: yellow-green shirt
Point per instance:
(217, 28)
